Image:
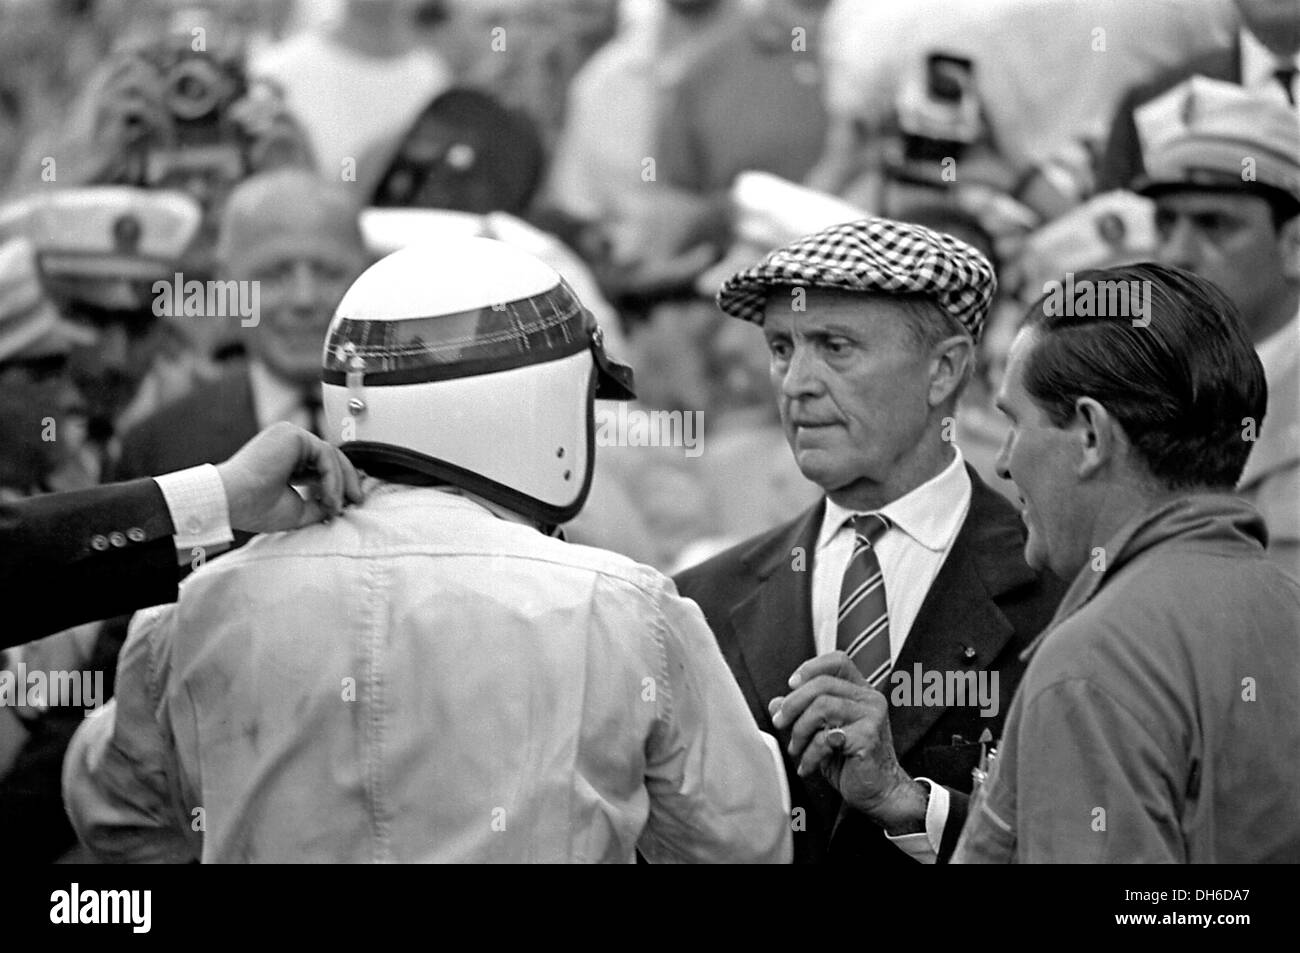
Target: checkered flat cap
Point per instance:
(871, 255)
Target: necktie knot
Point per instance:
(869, 527)
(312, 406)
(1286, 76)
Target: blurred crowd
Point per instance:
(644, 148)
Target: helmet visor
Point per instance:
(542, 327)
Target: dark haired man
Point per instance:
(1158, 718)
(1223, 168)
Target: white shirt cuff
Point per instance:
(925, 847)
(196, 499)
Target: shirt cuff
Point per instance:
(196, 499)
(925, 847)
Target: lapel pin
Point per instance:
(968, 653)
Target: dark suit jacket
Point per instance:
(208, 425)
(984, 598)
(52, 574)
(1121, 161)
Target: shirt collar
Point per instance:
(931, 514)
(373, 486)
(274, 398)
(1259, 63)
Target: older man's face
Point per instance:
(299, 293)
(851, 386)
(300, 281)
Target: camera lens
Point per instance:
(194, 89)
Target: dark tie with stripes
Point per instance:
(311, 405)
(1286, 76)
(862, 631)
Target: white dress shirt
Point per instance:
(196, 500)
(924, 524)
(275, 399)
(1259, 65)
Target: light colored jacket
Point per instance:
(423, 680)
(1159, 718)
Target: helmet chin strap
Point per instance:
(414, 478)
(505, 513)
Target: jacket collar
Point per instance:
(1224, 521)
(779, 607)
(959, 615)
(960, 625)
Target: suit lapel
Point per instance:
(772, 626)
(960, 612)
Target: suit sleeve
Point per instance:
(717, 787)
(58, 567)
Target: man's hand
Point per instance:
(258, 481)
(858, 760)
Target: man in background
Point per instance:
(1262, 56)
(1223, 168)
(293, 238)
(357, 82)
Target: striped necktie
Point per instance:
(862, 631)
(311, 405)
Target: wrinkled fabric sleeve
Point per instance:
(120, 777)
(717, 787)
(1093, 785)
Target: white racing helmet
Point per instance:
(472, 363)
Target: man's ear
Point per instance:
(951, 364)
(1101, 439)
(1288, 239)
